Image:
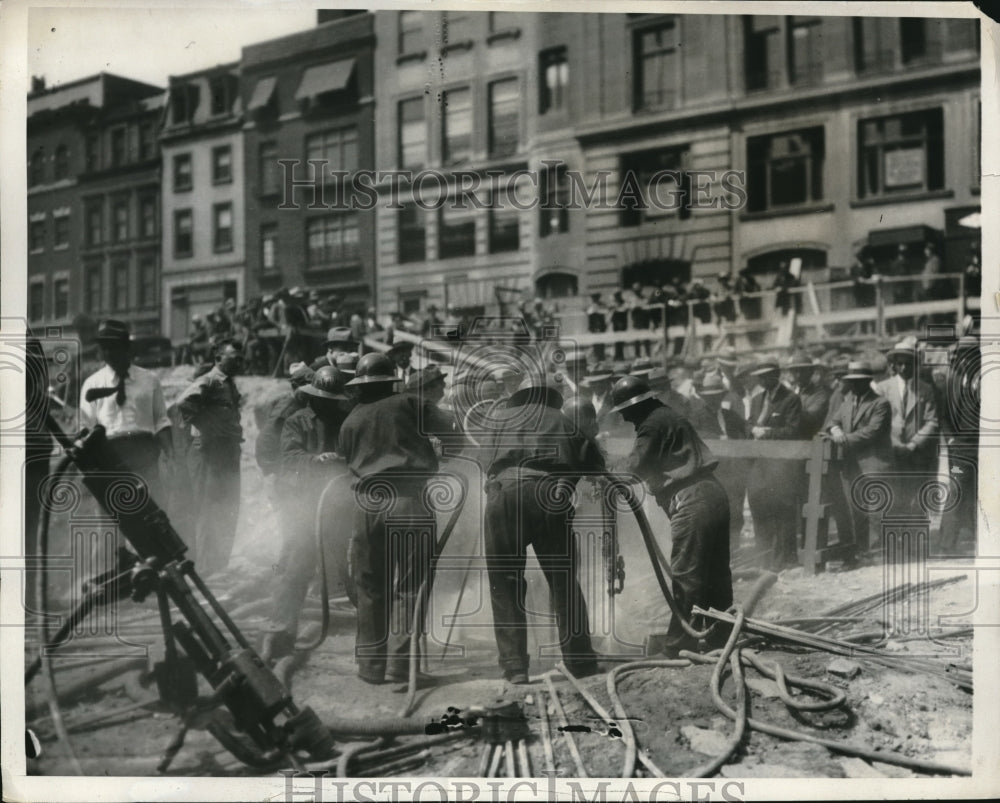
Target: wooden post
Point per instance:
(666, 337)
(879, 310)
(961, 301)
(813, 509)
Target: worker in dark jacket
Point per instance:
(806, 376)
(534, 461)
(210, 407)
(391, 461)
(678, 469)
(862, 426)
(268, 446)
(309, 461)
(773, 487)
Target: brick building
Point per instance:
(93, 202)
(309, 96)
(203, 197)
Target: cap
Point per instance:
(339, 335)
(112, 330)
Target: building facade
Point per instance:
(203, 194)
(842, 132)
(308, 101)
(93, 203)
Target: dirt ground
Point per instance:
(676, 723)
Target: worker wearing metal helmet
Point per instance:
(391, 459)
(535, 459)
(679, 469)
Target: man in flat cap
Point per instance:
(775, 414)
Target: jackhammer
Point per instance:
(249, 710)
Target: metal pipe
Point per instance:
(564, 725)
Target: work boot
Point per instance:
(517, 677)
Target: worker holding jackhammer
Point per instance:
(679, 470)
(536, 457)
(309, 461)
(391, 461)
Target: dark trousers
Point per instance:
(390, 558)
(215, 479)
(516, 519)
(773, 491)
(699, 553)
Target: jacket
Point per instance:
(866, 423)
(915, 427)
(668, 452)
(784, 417)
(815, 408)
(211, 407)
(304, 436)
(268, 446)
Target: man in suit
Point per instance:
(806, 378)
(861, 426)
(775, 414)
(338, 340)
(915, 424)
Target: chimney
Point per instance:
(38, 83)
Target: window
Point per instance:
(60, 231)
(147, 142)
(412, 134)
(222, 93)
(457, 128)
(456, 27)
(505, 232)
(222, 227)
(148, 283)
(903, 153)
(269, 247)
(331, 239)
(914, 45)
(412, 234)
(36, 236)
(118, 146)
(805, 50)
(62, 163)
(785, 169)
(148, 217)
(94, 284)
(60, 298)
(873, 50)
(553, 215)
(657, 66)
(183, 103)
(654, 185)
(411, 32)
(92, 149)
(36, 301)
(961, 35)
(762, 51)
(504, 101)
(36, 168)
(182, 172)
(119, 285)
(553, 68)
(270, 170)
(456, 232)
(336, 149)
(183, 233)
(95, 222)
(119, 226)
(222, 164)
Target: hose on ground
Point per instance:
(324, 630)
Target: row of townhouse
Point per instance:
(848, 131)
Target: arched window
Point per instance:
(36, 168)
(556, 285)
(62, 162)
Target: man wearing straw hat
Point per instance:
(535, 459)
(861, 426)
(390, 459)
(308, 462)
(775, 414)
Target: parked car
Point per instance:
(152, 351)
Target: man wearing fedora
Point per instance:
(679, 470)
(401, 353)
(534, 460)
(338, 341)
(389, 458)
(428, 385)
(210, 408)
(128, 402)
(915, 423)
(775, 414)
(806, 380)
(861, 426)
(308, 463)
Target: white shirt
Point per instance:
(144, 409)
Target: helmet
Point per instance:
(580, 409)
(327, 383)
(628, 391)
(373, 368)
(533, 388)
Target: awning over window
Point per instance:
(325, 78)
(262, 93)
(904, 234)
